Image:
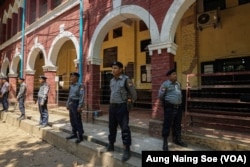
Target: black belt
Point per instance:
(74, 101)
(116, 104)
(170, 105)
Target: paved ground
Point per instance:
(19, 149)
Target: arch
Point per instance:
(172, 19)
(117, 15)
(5, 66)
(33, 55)
(10, 11)
(57, 43)
(5, 17)
(14, 63)
(16, 6)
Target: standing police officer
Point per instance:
(5, 94)
(121, 88)
(21, 97)
(170, 92)
(74, 105)
(43, 100)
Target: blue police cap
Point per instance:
(169, 72)
(117, 63)
(42, 77)
(75, 74)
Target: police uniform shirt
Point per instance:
(173, 93)
(5, 88)
(121, 90)
(22, 91)
(76, 93)
(43, 91)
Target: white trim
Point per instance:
(31, 59)
(170, 46)
(117, 15)
(42, 21)
(57, 43)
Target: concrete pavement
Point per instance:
(92, 149)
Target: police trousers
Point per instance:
(172, 118)
(75, 119)
(21, 105)
(119, 115)
(5, 101)
(44, 116)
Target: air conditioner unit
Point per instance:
(207, 19)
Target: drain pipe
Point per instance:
(23, 35)
(81, 42)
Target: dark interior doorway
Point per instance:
(106, 77)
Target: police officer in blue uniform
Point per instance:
(170, 92)
(121, 88)
(21, 97)
(42, 101)
(74, 105)
(5, 93)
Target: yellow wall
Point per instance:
(65, 62)
(129, 49)
(231, 39)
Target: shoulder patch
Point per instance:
(163, 89)
(130, 83)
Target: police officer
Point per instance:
(121, 88)
(5, 94)
(74, 105)
(21, 97)
(170, 91)
(43, 100)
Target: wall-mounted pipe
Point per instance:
(23, 37)
(80, 69)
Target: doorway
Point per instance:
(105, 89)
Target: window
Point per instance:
(32, 13)
(109, 56)
(42, 7)
(142, 26)
(144, 45)
(106, 37)
(214, 4)
(117, 32)
(56, 3)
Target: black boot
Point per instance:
(165, 144)
(178, 141)
(79, 139)
(110, 147)
(126, 154)
(72, 136)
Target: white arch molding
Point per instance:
(117, 15)
(36, 48)
(5, 66)
(57, 43)
(14, 63)
(172, 19)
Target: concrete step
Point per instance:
(92, 149)
(92, 152)
(202, 137)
